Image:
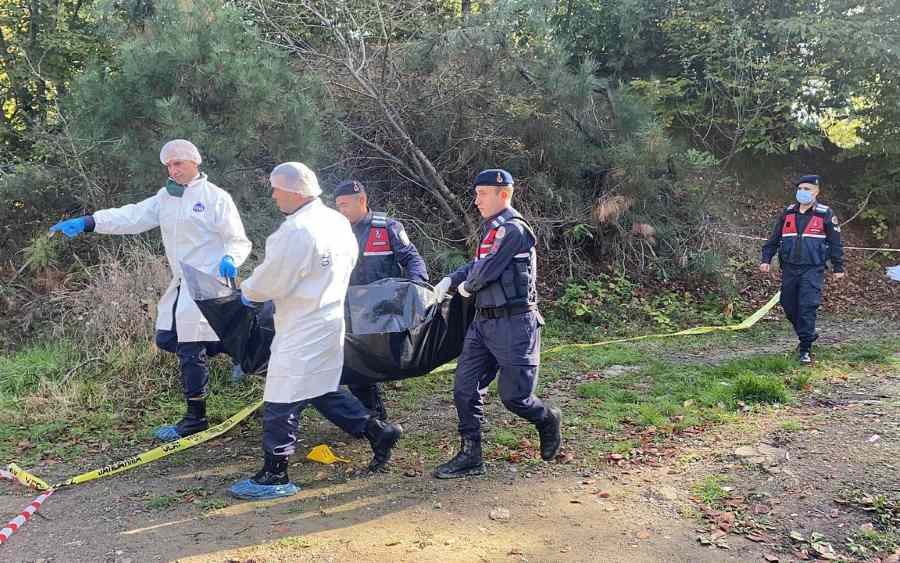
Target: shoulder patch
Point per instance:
(404, 238)
(822, 208)
(791, 207)
(501, 232)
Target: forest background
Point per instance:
(644, 136)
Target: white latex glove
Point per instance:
(461, 289)
(441, 289)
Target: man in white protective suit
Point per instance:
(201, 227)
(306, 272)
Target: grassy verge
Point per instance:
(51, 414)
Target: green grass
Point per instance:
(23, 372)
(710, 490)
(213, 504)
(791, 426)
(753, 388)
(871, 542)
(162, 502)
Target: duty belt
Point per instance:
(498, 312)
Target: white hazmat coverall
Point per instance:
(306, 272)
(198, 228)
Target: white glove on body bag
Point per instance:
(441, 289)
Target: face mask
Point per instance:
(174, 188)
(805, 197)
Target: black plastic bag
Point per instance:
(399, 331)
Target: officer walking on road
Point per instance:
(805, 236)
(200, 226)
(505, 335)
(384, 249)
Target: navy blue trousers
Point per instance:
(510, 347)
(369, 395)
(193, 358)
(801, 295)
(281, 420)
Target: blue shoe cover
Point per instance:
(167, 433)
(248, 490)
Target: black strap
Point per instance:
(497, 312)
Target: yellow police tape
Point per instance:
(27, 478)
(743, 325)
(321, 456)
(139, 459)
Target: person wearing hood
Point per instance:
(201, 227)
(805, 236)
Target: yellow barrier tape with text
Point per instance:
(743, 325)
(140, 459)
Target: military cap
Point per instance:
(349, 187)
(809, 179)
(493, 177)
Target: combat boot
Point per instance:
(466, 462)
(194, 421)
(382, 437)
(550, 433)
(270, 482)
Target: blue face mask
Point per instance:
(805, 197)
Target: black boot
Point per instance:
(382, 437)
(194, 420)
(551, 436)
(466, 462)
(370, 397)
(274, 471)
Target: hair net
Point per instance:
(296, 177)
(179, 149)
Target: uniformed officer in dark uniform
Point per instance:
(805, 236)
(385, 251)
(506, 332)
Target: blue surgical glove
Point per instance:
(70, 227)
(248, 303)
(227, 269)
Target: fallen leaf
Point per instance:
(825, 550)
(796, 536)
(757, 537)
(603, 494)
(515, 551)
(760, 508)
(771, 558)
(643, 535)
(616, 457)
(392, 543)
(717, 535)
